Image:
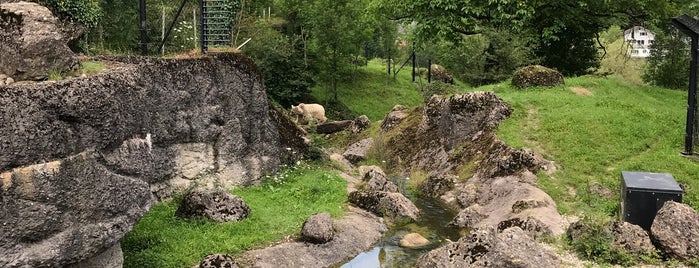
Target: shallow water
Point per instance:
(432, 225)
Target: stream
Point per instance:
(432, 225)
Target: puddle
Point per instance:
(432, 225)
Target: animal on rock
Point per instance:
(309, 111)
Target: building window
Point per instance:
(645, 51)
(634, 51)
(643, 33)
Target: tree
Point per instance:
(565, 31)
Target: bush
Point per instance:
(87, 12)
(281, 60)
(536, 75)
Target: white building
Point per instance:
(640, 40)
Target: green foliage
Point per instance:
(483, 58)
(595, 243)
(279, 207)
(281, 60)
(87, 12)
(668, 64)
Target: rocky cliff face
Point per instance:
(81, 157)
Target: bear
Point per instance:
(309, 111)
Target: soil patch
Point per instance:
(581, 91)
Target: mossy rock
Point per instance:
(537, 75)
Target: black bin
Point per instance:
(643, 194)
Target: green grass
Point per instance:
(593, 138)
(278, 209)
(374, 92)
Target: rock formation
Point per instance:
(218, 206)
(536, 75)
(385, 204)
(82, 157)
(357, 152)
(453, 139)
(489, 248)
(676, 230)
(318, 228)
(32, 42)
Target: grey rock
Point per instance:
(392, 205)
(630, 237)
(218, 206)
(376, 180)
(676, 230)
(191, 109)
(536, 75)
(66, 211)
(318, 228)
(533, 226)
(361, 123)
(110, 258)
(334, 126)
(394, 117)
(468, 217)
(357, 151)
(218, 261)
(32, 43)
(436, 186)
(487, 248)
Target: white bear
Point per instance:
(309, 111)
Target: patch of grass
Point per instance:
(91, 67)
(621, 126)
(279, 207)
(373, 92)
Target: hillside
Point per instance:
(608, 126)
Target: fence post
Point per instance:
(414, 63)
(144, 30)
(690, 27)
(429, 71)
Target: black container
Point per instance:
(643, 194)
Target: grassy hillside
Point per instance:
(610, 126)
(373, 93)
(593, 136)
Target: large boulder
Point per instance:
(487, 248)
(439, 73)
(392, 205)
(218, 206)
(675, 230)
(536, 75)
(630, 237)
(376, 180)
(32, 43)
(318, 228)
(394, 117)
(436, 186)
(204, 122)
(66, 211)
(358, 151)
(506, 201)
(81, 158)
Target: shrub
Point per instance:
(87, 12)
